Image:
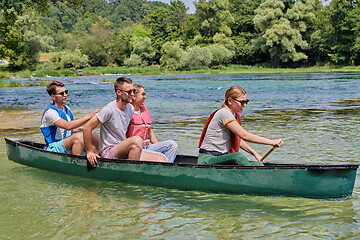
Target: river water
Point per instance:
(317, 115)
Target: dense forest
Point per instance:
(271, 33)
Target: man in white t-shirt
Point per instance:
(114, 119)
(58, 123)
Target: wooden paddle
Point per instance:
(267, 154)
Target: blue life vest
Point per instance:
(49, 132)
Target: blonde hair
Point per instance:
(234, 91)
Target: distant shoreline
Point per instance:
(157, 70)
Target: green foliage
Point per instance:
(336, 39)
(96, 44)
(141, 33)
(243, 13)
(74, 60)
(220, 54)
(222, 39)
(13, 83)
(142, 47)
(281, 31)
(171, 53)
(22, 44)
(268, 13)
(244, 51)
(136, 32)
(168, 24)
(196, 57)
(133, 61)
(214, 17)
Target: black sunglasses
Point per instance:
(242, 102)
(62, 93)
(128, 92)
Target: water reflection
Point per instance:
(96, 208)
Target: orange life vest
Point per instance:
(140, 125)
(235, 139)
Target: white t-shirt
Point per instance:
(114, 124)
(49, 119)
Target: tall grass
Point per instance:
(14, 83)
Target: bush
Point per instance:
(171, 55)
(74, 60)
(221, 55)
(196, 57)
(244, 50)
(133, 61)
(142, 47)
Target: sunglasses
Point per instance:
(128, 92)
(62, 93)
(242, 102)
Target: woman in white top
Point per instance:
(223, 134)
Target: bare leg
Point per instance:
(74, 143)
(130, 148)
(148, 156)
(96, 142)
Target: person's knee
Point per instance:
(78, 139)
(173, 144)
(95, 136)
(95, 139)
(136, 142)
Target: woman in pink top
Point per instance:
(140, 125)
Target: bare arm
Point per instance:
(87, 132)
(71, 125)
(244, 146)
(153, 138)
(236, 128)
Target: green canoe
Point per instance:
(302, 180)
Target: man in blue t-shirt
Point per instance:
(61, 131)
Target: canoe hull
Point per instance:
(325, 181)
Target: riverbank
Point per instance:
(157, 70)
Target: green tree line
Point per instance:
(274, 33)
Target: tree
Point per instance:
(171, 53)
(21, 43)
(337, 36)
(220, 54)
(95, 45)
(213, 17)
(280, 32)
(243, 14)
(74, 60)
(125, 12)
(353, 19)
(168, 24)
(133, 61)
(196, 57)
(142, 47)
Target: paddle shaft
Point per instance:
(267, 154)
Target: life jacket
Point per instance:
(235, 139)
(140, 125)
(49, 132)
